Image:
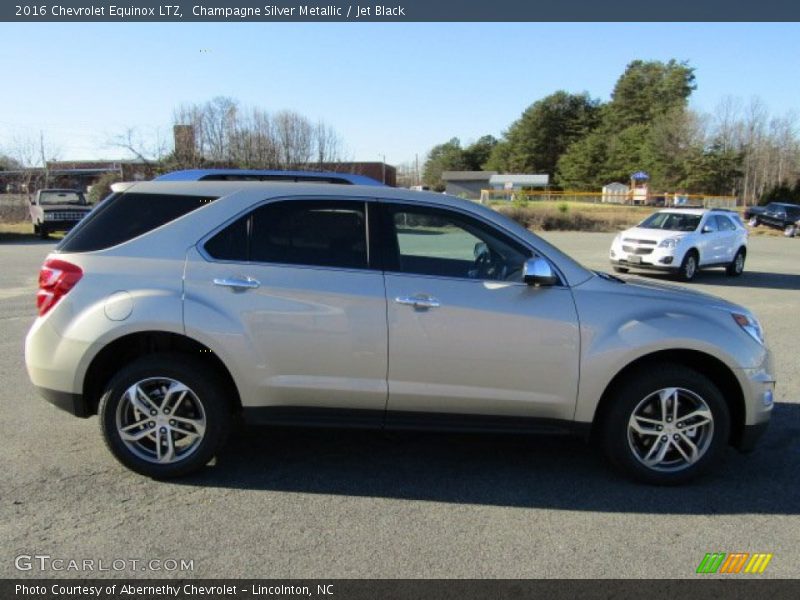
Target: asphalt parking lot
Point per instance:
(332, 504)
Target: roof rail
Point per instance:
(268, 175)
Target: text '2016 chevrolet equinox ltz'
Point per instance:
(175, 305)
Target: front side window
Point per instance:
(447, 244)
(313, 233)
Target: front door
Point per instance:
(466, 335)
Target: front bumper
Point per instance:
(644, 256)
(58, 225)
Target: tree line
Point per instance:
(583, 143)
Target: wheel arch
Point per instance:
(705, 364)
(121, 351)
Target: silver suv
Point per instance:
(175, 306)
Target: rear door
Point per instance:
(466, 335)
(289, 296)
(728, 236)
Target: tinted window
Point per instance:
(436, 242)
(314, 233)
(326, 234)
(124, 217)
(231, 242)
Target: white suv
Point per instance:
(174, 306)
(682, 241)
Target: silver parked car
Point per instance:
(175, 305)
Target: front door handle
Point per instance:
(419, 301)
(248, 283)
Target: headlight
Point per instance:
(669, 243)
(751, 326)
(617, 239)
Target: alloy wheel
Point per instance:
(670, 430)
(160, 420)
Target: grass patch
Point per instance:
(575, 216)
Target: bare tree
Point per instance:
(226, 132)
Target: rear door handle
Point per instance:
(248, 283)
(419, 301)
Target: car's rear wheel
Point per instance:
(165, 415)
(790, 231)
(666, 426)
(754, 222)
(736, 267)
(689, 266)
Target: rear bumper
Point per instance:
(74, 404)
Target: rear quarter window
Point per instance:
(121, 218)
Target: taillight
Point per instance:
(56, 278)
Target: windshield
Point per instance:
(60, 197)
(671, 221)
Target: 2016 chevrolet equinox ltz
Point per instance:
(175, 305)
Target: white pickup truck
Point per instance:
(57, 210)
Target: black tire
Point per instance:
(43, 233)
(624, 447)
(206, 389)
(754, 222)
(688, 271)
(620, 269)
(790, 231)
(736, 267)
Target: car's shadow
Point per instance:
(540, 472)
(753, 279)
(11, 237)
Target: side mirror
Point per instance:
(706, 229)
(537, 271)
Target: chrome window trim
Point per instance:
(367, 201)
(201, 250)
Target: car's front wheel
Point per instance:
(666, 425)
(165, 415)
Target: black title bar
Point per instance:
(699, 588)
(275, 11)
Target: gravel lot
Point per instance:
(354, 504)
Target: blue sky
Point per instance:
(387, 89)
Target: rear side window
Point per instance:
(126, 216)
(313, 233)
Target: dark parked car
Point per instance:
(778, 215)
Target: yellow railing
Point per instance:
(629, 198)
